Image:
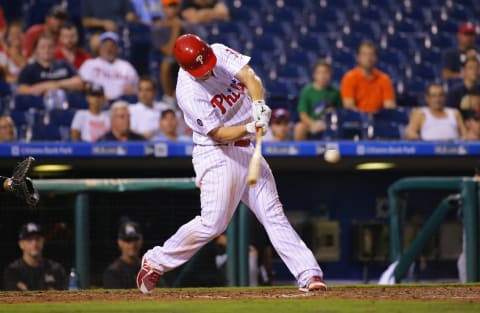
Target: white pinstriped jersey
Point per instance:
(221, 100)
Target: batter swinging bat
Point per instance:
(254, 168)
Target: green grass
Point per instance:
(248, 306)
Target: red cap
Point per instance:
(468, 28)
(194, 55)
(279, 115)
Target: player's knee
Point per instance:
(214, 228)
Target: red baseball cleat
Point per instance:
(316, 283)
(147, 277)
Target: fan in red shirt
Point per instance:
(55, 18)
(67, 48)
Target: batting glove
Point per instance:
(252, 127)
(261, 111)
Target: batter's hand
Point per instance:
(261, 111)
(252, 127)
(21, 185)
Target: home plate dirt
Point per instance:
(466, 293)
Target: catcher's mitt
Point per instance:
(21, 185)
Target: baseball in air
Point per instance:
(332, 155)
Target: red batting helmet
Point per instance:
(194, 55)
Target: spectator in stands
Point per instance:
(122, 273)
(164, 34)
(279, 126)
(68, 49)
(315, 100)
(106, 15)
(118, 77)
(169, 128)
(435, 122)
(54, 19)
(366, 88)
(13, 58)
(472, 101)
(145, 114)
(45, 73)
(8, 131)
(454, 57)
(457, 96)
(148, 11)
(120, 121)
(89, 125)
(472, 124)
(32, 271)
(204, 11)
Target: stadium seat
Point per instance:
(77, 100)
(250, 15)
(61, 117)
(345, 57)
(277, 28)
(25, 102)
(447, 26)
(389, 124)
(397, 116)
(385, 132)
(405, 26)
(313, 42)
(293, 72)
(269, 43)
(19, 117)
(5, 89)
(443, 41)
(432, 56)
(347, 124)
(46, 133)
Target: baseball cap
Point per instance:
(166, 3)
(279, 115)
(95, 90)
(468, 28)
(29, 229)
(109, 35)
(58, 12)
(129, 231)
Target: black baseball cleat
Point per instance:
(316, 283)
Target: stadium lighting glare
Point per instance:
(374, 166)
(52, 168)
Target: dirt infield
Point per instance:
(413, 293)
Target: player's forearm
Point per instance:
(228, 133)
(253, 83)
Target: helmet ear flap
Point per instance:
(194, 55)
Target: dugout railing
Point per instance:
(237, 232)
(465, 194)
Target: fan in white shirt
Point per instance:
(169, 128)
(89, 125)
(145, 114)
(118, 77)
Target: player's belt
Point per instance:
(238, 143)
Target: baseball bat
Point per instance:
(254, 167)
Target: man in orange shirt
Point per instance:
(366, 88)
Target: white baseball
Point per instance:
(332, 155)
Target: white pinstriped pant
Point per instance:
(221, 175)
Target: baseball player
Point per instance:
(21, 185)
(219, 94)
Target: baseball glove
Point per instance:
(22, 186)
